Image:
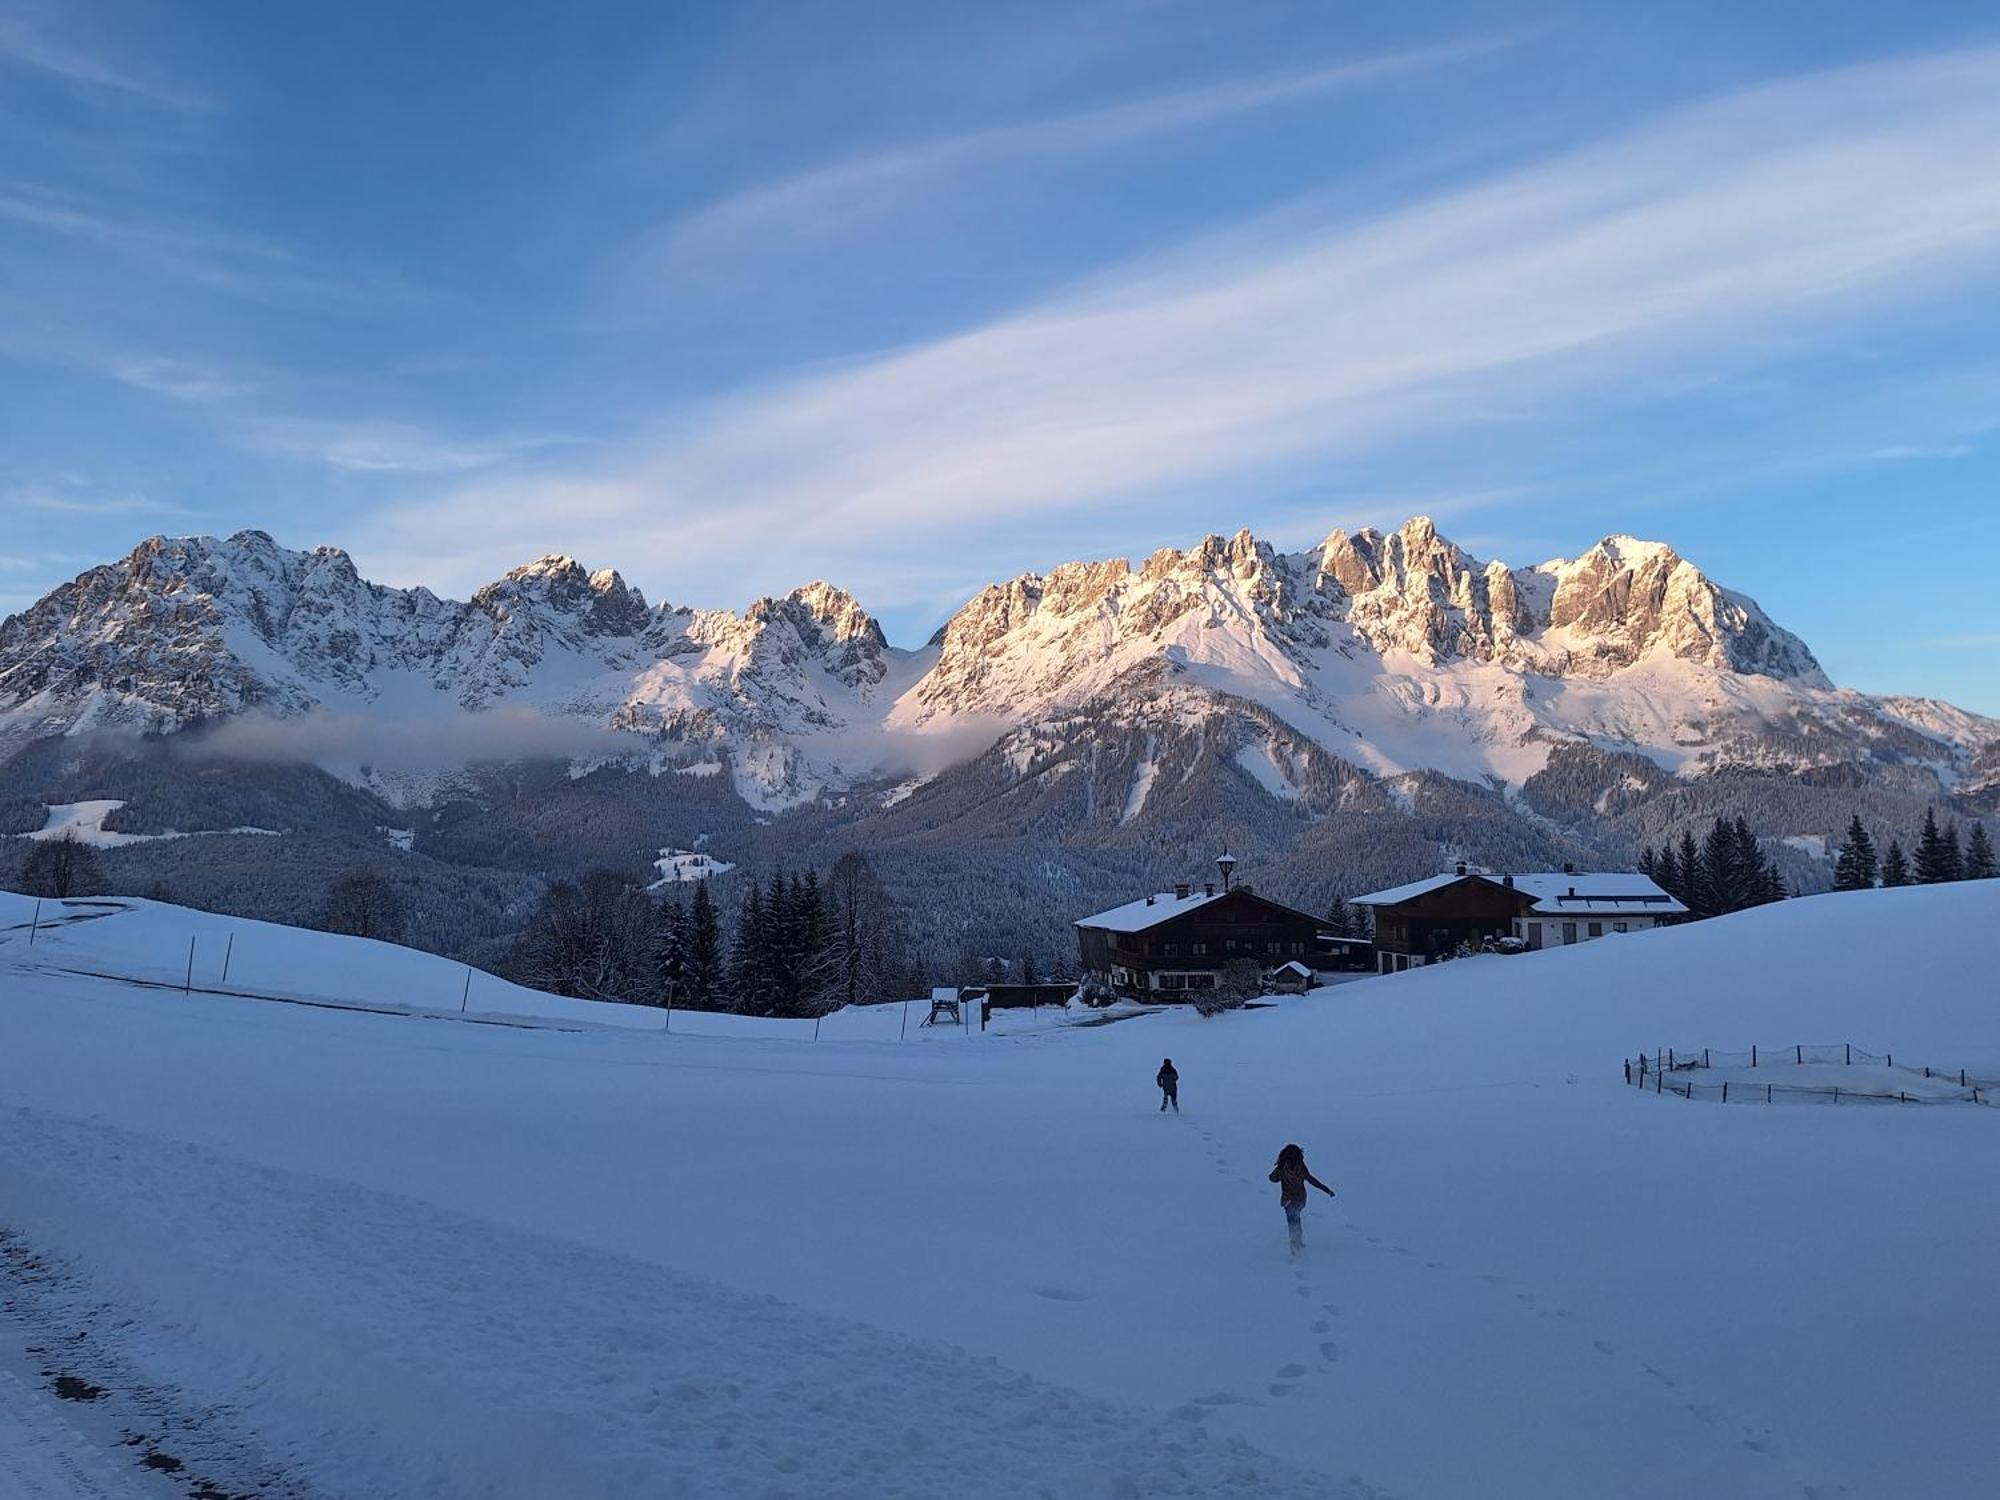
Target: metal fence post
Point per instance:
(35, 926)
(1799, 1055)
(187, 987)
(1725, 1091)
(465, 996)
(1767, 1093)
(1753, 1054)
(228, 949)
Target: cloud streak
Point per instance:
(846, 194)
(25, 46)
(1789, 210)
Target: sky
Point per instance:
(917, 297)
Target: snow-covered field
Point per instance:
(386, 1258)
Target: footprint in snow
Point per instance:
(1330, 1352)
(1060, 1294)
(1603, 1347)
(1322, 1326)
(1701, 1413)
(1279, 1388)
(1660, 1375)
(1290, 1372)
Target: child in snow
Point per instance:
(1292, 1177)
(1169, 1083)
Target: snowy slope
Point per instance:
(486, 1261)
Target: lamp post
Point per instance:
(1226, 863)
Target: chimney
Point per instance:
(1209, 889)
(1508, 881)
(1572, 894)
(1461, 867)
(1181, 891)
(1225, 862)
(1149, 900)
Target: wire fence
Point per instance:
(1783, 1077)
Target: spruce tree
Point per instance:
(1895, 867)
(1979, 862)
(1855, 867)
(1935, 861)
(701, 946)
(748, 969)
(670, 956)
(1687, 871)
(1954, 862)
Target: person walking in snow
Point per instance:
(1292, 1178)
(1169, 1082)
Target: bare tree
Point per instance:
(596, 941)
(61, 867)
(362, 903)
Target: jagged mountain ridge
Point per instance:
(1395, 652)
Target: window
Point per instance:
(1597, 929)
(1229, 945)
(1170, 948)
(1198, 949)
(1620, 927)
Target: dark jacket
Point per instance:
(1292, 1183)
(1168, 1079)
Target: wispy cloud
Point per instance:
(192, 380)
(1794, 209)
(93, 505)
(237, 262)
(22, 45)
(843, 195)
(384, 447)
(1985, 640)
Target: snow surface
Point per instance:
(84, 822)
(681, 866)
(484, 1261)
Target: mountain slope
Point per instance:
(1348, 715)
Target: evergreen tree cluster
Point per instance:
(1939, 857)
(800, 946)
(1725, 871)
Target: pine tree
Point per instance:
(1687, 872)
(701, 946)
(1936, 860)
(1855, 867)
(1895, 866)
(1954, 862)
(1979, 862)
(748, 966)
(670, 956)
(1028, 972)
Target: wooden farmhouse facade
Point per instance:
(1428, 920)
(1173, 945)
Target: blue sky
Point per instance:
(913, 297)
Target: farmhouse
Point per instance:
(1173, 944)
(1433, 918)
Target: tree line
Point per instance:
(1726, 870)
(1939, 858)
(798, 946)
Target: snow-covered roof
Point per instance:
(1553, 892)
(1617, 891)
(1148, 911)
(1295, 966)
(1397, 894)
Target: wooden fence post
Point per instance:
(1767, 1093)
(465, 995)
(1725, 1091)
(35, 926)
(187, 985)
(228, 949)
(1799, 1055)
(1753, 1054)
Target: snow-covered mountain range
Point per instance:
(1395, 653)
